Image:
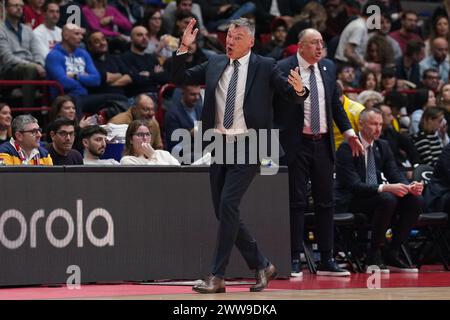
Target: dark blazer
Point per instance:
(401, 73)
(263, 79)
(289, 118)
(177, 117)
(440, 181)
(351, 172)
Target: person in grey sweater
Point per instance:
(19, 59)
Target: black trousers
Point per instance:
(382, 208)
(229, 182)
(313, 161)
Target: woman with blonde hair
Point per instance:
(138, 149)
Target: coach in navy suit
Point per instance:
(360, 188)
(238, 97)
(437, 194)
(306, 136)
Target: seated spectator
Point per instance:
(48, 34)
(143, 109)
(438, 58)
(77, 73)
(359, 188)
(403, 148)
(274, 48)
(195, 56)
(431, 80)
(444, 102)
(130, 9)
(368, 98)
(217, 14)
(183, 115)
(147, 71)
(437, 193)
(369, 81)
(19, 58)
(94, 145)
(182, 6)
(439, 29)
(380, 52)
(23, 148)
(62, 133)
(139, 150)
(353, 110)
(427, 140)
(407, 67)
(339, 14)
(5, 123)
(353, 43)
(105, 18)
(160, 45)
(265, 12)
(34, 13)
(313, 15)
(114, 73)
(389, 81)
(422, 99)
(346, 77)
(385, 28)
(408, 30)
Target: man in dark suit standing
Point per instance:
(238, 98)
(306, 136)
(359, 188)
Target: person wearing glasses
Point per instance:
(306, 135)
(62, 133)
(138, 148)
(24, 146)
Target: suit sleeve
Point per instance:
(390, 168)
(283, 88)
(347, 173)
(192, 76)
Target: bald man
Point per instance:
(72, 66)
(307, 138)
(438, 59)
(146, 70)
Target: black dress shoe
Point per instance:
(375, 259)
(330, 268)
(263, 277)
(396, 264)
(211, 284)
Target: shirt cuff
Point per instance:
(349, 133)
(179, 53)
(380, 188)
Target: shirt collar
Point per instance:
(242, 60)
(303, 63)
(364, 142)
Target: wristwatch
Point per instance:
(301, 93)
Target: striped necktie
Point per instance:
(231, 97)
(314, 96)
(371, 170)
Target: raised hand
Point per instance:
(295, 80)
(189, 34)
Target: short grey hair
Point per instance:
(303, 33)
(19, 123)
(364, 115)
(244, 23)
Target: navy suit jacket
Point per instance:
(351, 172)
(289, 118)
(440, 182)
(177, 117)
(264, 78)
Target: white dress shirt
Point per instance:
(239, 126)
(305, 73)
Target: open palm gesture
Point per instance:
(189, 34)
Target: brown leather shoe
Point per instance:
(263, 277)
(211, 284)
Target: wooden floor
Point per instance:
(430, 293)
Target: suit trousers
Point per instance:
(313, 161)
(382, 208)
(229, 182)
